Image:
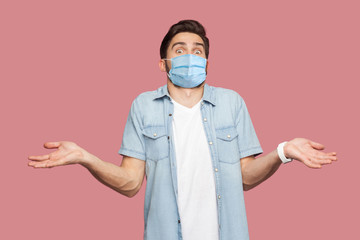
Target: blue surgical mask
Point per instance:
(187, 70)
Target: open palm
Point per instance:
(66, 153)
(308, 152)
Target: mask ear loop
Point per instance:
(167, 72)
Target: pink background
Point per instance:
(69, 70)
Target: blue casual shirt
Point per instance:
(230, 135)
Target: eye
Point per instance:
(197, 52)
(179, 51)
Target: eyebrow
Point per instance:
(199, 44)
(183, 43)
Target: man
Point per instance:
(195, 143)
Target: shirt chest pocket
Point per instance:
(227, 145)
(156, 143)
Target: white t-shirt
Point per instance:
(196, 186)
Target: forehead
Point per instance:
(186, 37)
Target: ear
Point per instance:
(207, 66)
(162, 65)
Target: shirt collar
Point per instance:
(162, 92)
(208, 95)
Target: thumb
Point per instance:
(317, 146)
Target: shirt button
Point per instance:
(228, 136)
(202, 103)
(155, 134)
(170, 114)
(168, 137)
(219, 196)
(210, 143)
(205, 119)
(216, 170)
(179, 221)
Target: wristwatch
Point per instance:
(280, 151)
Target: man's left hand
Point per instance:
(308, 152)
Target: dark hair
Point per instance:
(191, 26)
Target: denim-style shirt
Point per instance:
(231, 136)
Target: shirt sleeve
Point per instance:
(133, 140)
(248, 141)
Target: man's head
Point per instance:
(184, 37)
(189, 26)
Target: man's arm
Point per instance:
(256, 170)
(125, 179)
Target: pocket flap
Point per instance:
(154, 132)
(226, 134)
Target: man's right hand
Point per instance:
(66, 153)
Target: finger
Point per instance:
(39, 158)
(331, 154)
(31, 164)
(54, 163)
(46, 164)
(312, 164)
(325, 156)
(317, 146)
(50, 145)
(321, 161)
(333, 158)
(43, 164)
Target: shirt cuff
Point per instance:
(251, 151)
(132, 153)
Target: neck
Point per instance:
(187, 97)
